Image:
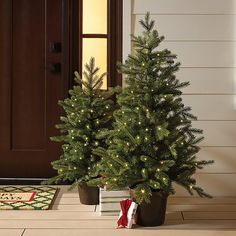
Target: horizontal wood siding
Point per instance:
(194, 27)
(183, 7)
(203, 54)
(208, 80)
(218, 185)
(212, 107)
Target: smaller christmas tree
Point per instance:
(88, 111)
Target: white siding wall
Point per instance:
(203, 35)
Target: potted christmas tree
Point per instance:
(88, 111)
(153, 143)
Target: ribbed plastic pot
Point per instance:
(153, 213)
(88, 195)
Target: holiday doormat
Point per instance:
(27, 197)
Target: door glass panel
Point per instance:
(97, 48)
(95, 17)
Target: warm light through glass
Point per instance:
(95, 17)
(97, 48)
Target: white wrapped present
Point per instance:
(109, 201)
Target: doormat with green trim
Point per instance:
(27, 197)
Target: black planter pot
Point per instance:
(88, 195)
(153, 213)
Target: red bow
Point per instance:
(123, 220)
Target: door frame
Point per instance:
(127, 27)
(115, 39)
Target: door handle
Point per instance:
(55, 47)
(55, 68)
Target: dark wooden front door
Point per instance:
(31, 83)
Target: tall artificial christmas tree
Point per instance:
(88, 111)
(153, 143)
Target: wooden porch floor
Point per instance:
(185, 217)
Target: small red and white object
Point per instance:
(128, 209)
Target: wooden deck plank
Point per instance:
(173, 200)
(52, 215)
(124, 232)
(67, 215)
(201, 224)
(204, 215)
(198, 200)
(71, 201)
(178, 206)
(111, 224)
(11, 232)
(58, 224)
(203, 207)
(68, 195)
(72, 207)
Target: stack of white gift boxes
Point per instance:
(109, 201)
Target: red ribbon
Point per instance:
(123, 220)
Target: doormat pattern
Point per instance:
(42, 197)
